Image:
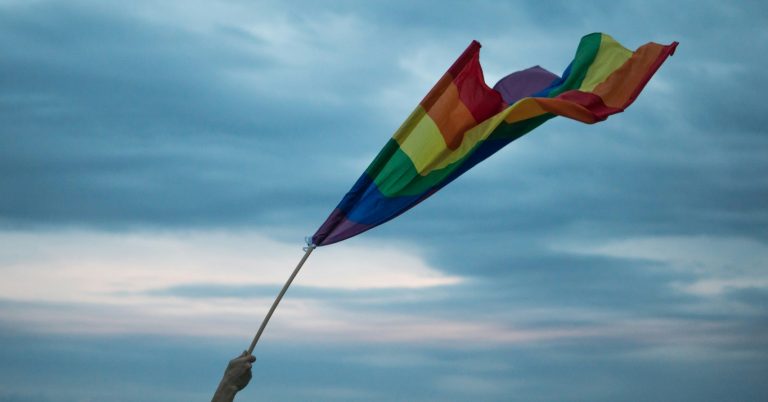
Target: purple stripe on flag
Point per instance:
(521, 84)
(337, 228)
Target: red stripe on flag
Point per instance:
(481, 100)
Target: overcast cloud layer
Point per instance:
(161, 163)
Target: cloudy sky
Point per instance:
(161, 162)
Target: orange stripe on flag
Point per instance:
(617, 89)
(451, 116)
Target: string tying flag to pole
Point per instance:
(462, 121)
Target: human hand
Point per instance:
(236, 377)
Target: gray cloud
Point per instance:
(121, 120)
(134, 369)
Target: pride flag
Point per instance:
(462, 121)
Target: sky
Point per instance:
(161, 163)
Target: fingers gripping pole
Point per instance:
(308, 250)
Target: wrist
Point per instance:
(225, 392)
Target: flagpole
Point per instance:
(308, 250)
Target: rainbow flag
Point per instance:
(463, 121)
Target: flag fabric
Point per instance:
(463, 121)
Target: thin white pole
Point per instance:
(279, 297)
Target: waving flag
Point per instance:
(462, 121)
